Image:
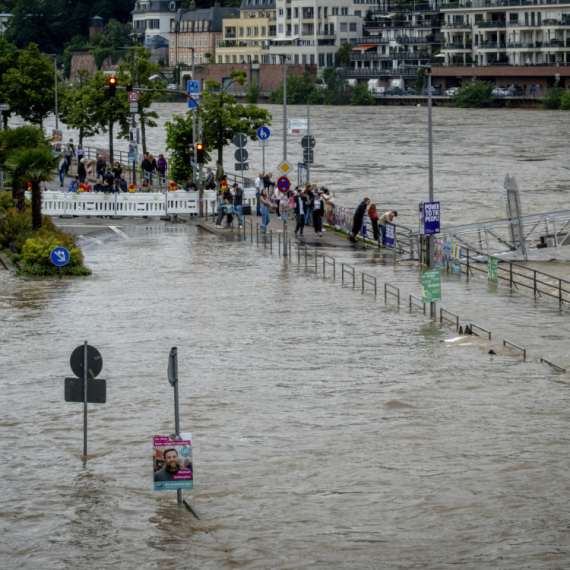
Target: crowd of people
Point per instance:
(378, 223)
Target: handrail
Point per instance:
(480, 328)
(509, 343)
(367, 278)
(387, 292)
(550, 363)
(423, 305)
(353, 273)
(325, 263)
(442, 317)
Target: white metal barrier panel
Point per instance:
(127, 204)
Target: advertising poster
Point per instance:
(447, 256)
(431, 286)
(456, 259)
(172, 463)
(430, 218)
(390, 238)
(346, 219)
(329, 217)
(439, 245)
(492, 270)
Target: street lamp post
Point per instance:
(194, 123)
(284, 56)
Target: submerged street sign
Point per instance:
(431, 286)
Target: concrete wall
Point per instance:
(270, 76)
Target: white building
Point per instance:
(3, 21)
(488, 32)
(311, 31)
(154, 17)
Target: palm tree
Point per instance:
(12, 140)
(32, 165)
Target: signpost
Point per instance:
(263, 133)
(283, 184)
(59, 257)
(86, 363)
(134, 96)
(297, 125)
(241, 155)
(431, 286)
(429, 218)
(285, 167)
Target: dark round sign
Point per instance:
(241, 155)
(240, 140)
(94, 362)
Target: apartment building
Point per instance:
(154, 17)
(247, 38)
(513, 32)
(196, 33)
(311, 31)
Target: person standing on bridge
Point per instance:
(318, 213)
(101, 165)
(81, 170)
(161, 167)
(358, 219)
(238, 201)
(385, 219)
(258, 188)
(264, 204)
(300, 206)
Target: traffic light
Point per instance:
(112, 86)
(200, 152)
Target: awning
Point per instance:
(365, 46)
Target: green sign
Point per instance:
(431, 286)
(492, 270)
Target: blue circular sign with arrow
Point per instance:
(263, 133)
(283, 184)
(59, 256)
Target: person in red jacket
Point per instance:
(374, 219)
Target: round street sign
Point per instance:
(308, 141)
(94, 362)
(263, 133)
(133, 96)
(240, 140)
(283, 184)
(59, 256)
(241, 155)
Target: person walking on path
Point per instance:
(219, 174)
(238, 201)
(264, 204)
(80, 153)
(300, 206)
(384, 219)
(146, 166)
(61, 170)
(68, 153)
(162, 167)
(101, 166)
(374, 219)
(258, 188)
(210, 179)
(358, 219)
(318, 213)
(81, 171)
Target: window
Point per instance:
(172, 59)
(281, 28)
(227, 58)
(296, 29)
(352, 27)
(200, 41)
(234, 59)
(334, 12)
(180, 42)
(330, 59)
(218, 41)
(200, 58)
(196, 41)
(325, 12)
(219, 59)
(260, 15)
(312, 58)
(263, 31)
(281, 11)
(344, 26)
(205, 41)
(296, 58)
(184, 42)
(478, 18)
(255, 31)
(321, 60)
(514, 18)
(319, 11)
(358, 13)
(344, 11)
(304, 58)
(241, 32)
(288, 13)
(331, 29)
(296, 12)
(249, 31)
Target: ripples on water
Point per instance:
(330, 430)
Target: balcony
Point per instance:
(493, 45)
(402, 25)
(456, 26)
(376, 40)
(456, 46)
(408, 71)
(408, 55)
(426, 40)
(364, 56)
(491, 24)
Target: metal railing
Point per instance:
(509, 343)
(421, 303)
(345, 269)
(443, 317)
(388, 291)
(370, 280)
(473, 325)
(555, 366)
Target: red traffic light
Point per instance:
(112, 86)
(200, 152)
(199, 147)
(112, 81)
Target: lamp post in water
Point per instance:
(431, 242)
(284, 56)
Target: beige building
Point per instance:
(196, 33)
(247, 38)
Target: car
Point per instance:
(515, 91)
(393, 91)
(500, 92)
(451, 91)
(172, 86)
(410, 91)
(434, 91)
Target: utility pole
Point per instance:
(284, 143)
(133, 122)
(431, 241)
(194, 123)
(309, 147)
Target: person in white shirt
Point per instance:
(258, 188)
(384, 219)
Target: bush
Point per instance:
(252, 93)
(553, 98)
(5, 201)
(15, 229)
(565, 101)
(475, 96)
(361, 96)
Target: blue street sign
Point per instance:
(390, 237)
(283, 184)
(59, 256)
(191, 104)
(263, 133)
(430, 218)
(193, 87)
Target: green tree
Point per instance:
(29, 87)
(143, 70)
(12, 141)
(476, 95)
(420, 80)
(252, 93)
(223, 118)
(178, 140)
(33, 165)
(565, 101)
(336, 92)
(8, 60)
(300, 91)
(360, 95)
(553, 99)
(342, 56)
(76, 110)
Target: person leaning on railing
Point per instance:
(145, 186)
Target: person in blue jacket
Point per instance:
(74, 185)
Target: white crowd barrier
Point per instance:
(136, 204)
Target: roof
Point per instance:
(155, 6)
(213, 15)
(257, 5)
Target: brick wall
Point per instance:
(270, 76)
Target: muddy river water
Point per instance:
(330, 430)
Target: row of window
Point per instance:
(187, 58)
(250, 32)
(147, 24)
(309, 12)
(196, 26)
(187, 42)
(259, 14)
